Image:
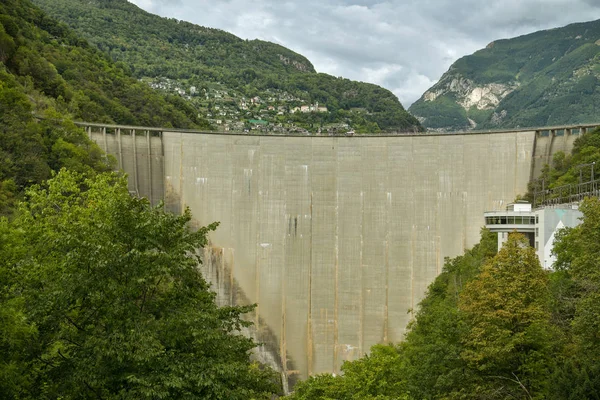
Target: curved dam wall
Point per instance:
(335, 238)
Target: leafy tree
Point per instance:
(321, 387)
(509, 335)
(578, 257)
(375, 376)
(102, 298)
(433, 346)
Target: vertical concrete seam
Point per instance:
(412, 246)
(104, 137)
(550, 146)
(361, 323)
(309, 340)
(283, 344)
(337, 272)
(181, 197)
(533, 155)
(135, 166)
(516, 174)
(120, 144)
(151, 196)
(465, 197)
(163, 168)
(387, 248)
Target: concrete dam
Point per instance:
(335, 238)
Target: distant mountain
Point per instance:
(544, 78)
(237, 84)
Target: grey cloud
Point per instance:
(403, 45)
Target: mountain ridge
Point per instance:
(237, 84)
(547, 77)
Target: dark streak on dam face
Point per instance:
(335, 238)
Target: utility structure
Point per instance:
(566, 194)
(581, 166)
(539, 226)
(335, 238)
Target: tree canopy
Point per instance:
(101, 297)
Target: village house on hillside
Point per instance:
(309, 108)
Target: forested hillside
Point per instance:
(46, 70)
(568, 169)
(541, 79)
(237, 84)
(497, 326)
(50, 58)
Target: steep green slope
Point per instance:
(48, 56)
(156, 46)
(545, 78)
(230, 80)
(47, 71)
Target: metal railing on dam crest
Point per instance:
(335, 238)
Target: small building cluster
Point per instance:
(229, 110)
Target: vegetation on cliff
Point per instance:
(541, 79)
(571, 169)
(230, 80)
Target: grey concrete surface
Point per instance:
(335, 238)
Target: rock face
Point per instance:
(468, 94)
(545, 78)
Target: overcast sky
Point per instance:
(402, 45)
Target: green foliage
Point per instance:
(30, 149)
(102, 298)
(433, 345)
(52, 63)
(578, 254)
(570, 169)
(323, 386)
(377, 376)
(556, 72)
(191, 55)
(508, 337)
